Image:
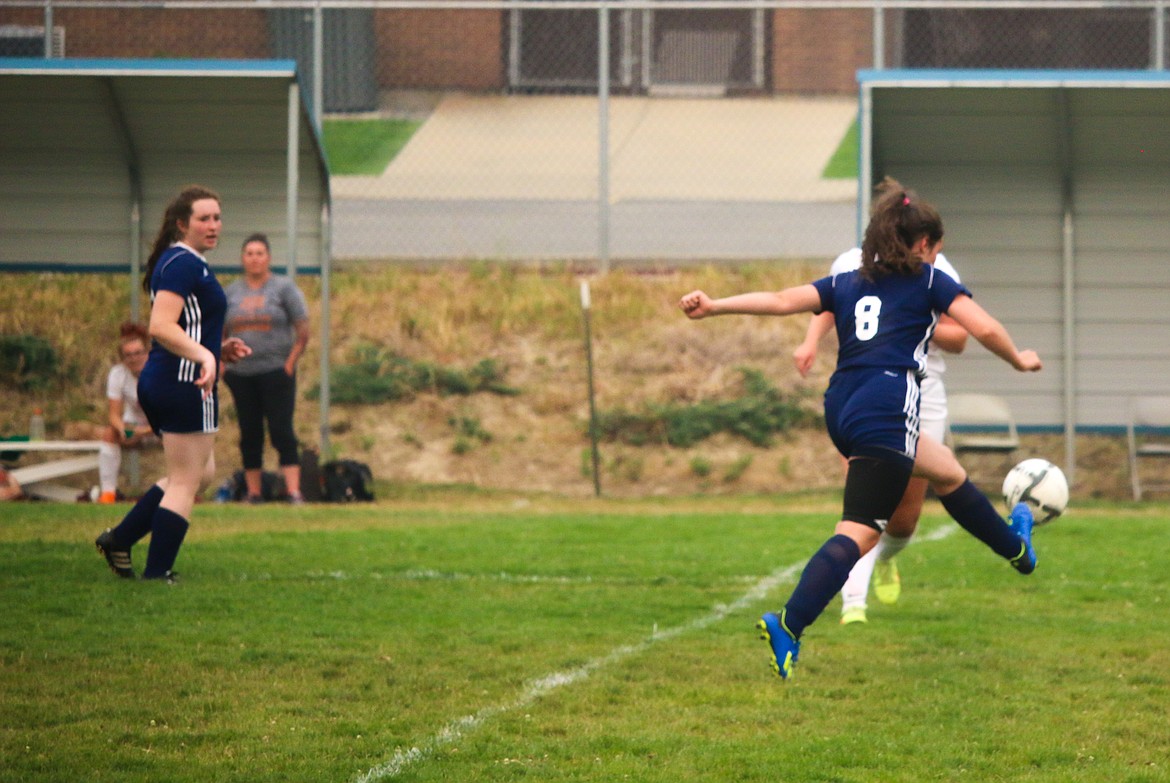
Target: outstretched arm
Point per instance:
(799, 299)
(991, 334)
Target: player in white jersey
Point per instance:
(948, 336)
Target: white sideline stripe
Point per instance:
(428, 574)
(937, 535)
(403, 760)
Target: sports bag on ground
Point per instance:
(346, 481)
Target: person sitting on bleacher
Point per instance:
(126, 426)
(9, 486)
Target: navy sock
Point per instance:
(823, 578)
(166, 536)
(136, 524)
(971, 509)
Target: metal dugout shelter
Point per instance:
(91, 151)
(1052, 189)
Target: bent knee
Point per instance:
(208, 474)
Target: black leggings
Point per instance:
(271, 396)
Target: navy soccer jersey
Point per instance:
(887, 323)
(884, 329)
(166, 387)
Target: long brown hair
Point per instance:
(899, 219)
(178, 211)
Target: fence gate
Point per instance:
(687, 51)
(705, 51)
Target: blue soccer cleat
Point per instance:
(785, 649)
(1025, 561)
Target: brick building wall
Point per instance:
(146, 33)
(440, 49)
(820, 52)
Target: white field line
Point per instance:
(403, 760)
(432, 575)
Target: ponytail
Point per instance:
(178, 211)
(898, 220)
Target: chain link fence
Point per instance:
(640, 131)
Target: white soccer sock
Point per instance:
(889, 546)
(856, 587)
(109, 463)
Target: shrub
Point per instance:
(470, 427)
(736, 469)
(756, 416)
(377, 375)
(701, 467)
(27, 362)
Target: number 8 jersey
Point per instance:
(887, 323)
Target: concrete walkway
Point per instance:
(516, 177)
(545, 147)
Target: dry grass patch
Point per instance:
(527, 321)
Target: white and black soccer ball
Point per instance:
(1041, 485)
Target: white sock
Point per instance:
(856, 587)
(109, 463)
(889, 546)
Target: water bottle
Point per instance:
(36, 425)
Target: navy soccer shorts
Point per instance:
(176, 406)
(874, 413)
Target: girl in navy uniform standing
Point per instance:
(177, 387)
(885, 313)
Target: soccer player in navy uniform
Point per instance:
(885, 314)
(177, 387)
(880, 563)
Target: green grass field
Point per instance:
(477, 637)
(365, 146)
(843, 163)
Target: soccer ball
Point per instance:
(1041, 485)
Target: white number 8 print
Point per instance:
(866, 313)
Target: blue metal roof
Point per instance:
(117, 66)
(948, 77)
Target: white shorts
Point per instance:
(932, 408)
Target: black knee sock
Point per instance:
(971, 509)
(136, 524)
(166, 536)
(822, 579)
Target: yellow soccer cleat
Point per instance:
(854, 614)
(887, 585)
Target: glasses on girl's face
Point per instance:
(132, 354)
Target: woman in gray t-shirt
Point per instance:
(268, 311)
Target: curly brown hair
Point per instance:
(898, 220)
